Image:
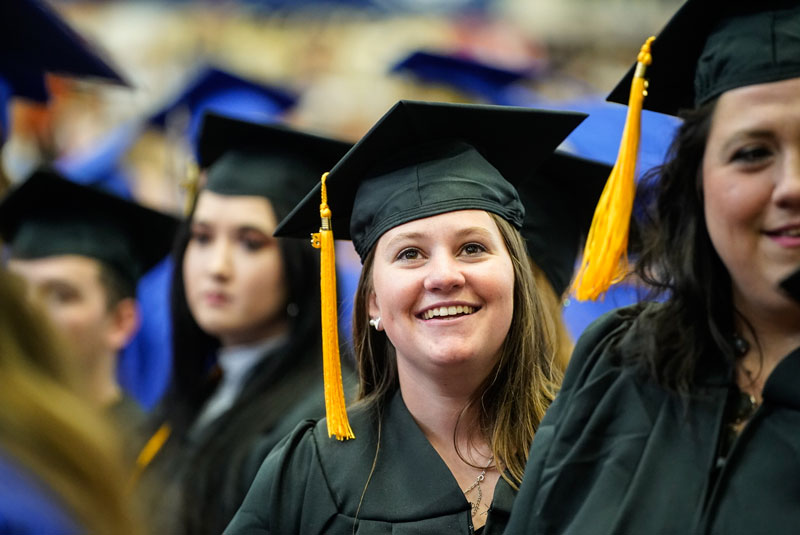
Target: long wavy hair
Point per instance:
(513, 398)
(695, 322)
(212, 489)
(49, 429)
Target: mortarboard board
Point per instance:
(272, 161)
(35, 40)
(423, 158)
(463, 73)
(47, 215)
(212, 89)
(559, 201)
(711, 46)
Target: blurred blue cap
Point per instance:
(212, 89)
(102, 165)
(464, 74)
(34, 39)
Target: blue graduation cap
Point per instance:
(35, 40)
(465, 74)
(212, 89)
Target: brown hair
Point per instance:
(48, 428)
(515, 395)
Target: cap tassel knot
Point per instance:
(335, 409)
(605, 260)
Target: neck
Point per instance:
(102, 385)
(438, 406)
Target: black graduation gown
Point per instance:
(313, 484)
(617, 454)
(290, 389)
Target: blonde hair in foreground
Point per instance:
(515, 395)
(48, 429)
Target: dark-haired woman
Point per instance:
(684, 416)
(247, 361)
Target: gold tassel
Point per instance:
(148, 453)
(191, 184)
(335, 409)
(605, 259)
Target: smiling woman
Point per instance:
(456, 352)
(682, 416)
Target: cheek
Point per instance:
(191, 265)
(263, 281)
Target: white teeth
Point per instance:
(447, 311)
(791, 232)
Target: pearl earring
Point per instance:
(376, 323)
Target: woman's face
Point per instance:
(443, 287)
(751, 186)
(233, 270)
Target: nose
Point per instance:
(444, 275)
(220, 264)
(787, 189)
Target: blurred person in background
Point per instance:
(60, 464)
(81, 252)
(457, 352)
(683, 416)
(246, 347)
(35, 40)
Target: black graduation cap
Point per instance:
(559, 202)
(424, 158)
(712, 46)
(48, 215)
(34, 39)
(269, 160)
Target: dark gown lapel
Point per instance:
(410, 481)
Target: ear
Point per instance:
(373, 308)
(123, 324)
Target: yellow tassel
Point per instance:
(148, 453)
(335, 409)
(605, 260)
(191, 184)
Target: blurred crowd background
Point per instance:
(335, 58)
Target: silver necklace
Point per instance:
(477, 485)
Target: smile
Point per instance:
(441, 312)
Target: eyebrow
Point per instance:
(412, 236)
(743, 135)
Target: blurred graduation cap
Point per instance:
(712, 46)
(48, 215)
(272, 161)
(215, 90)
(35, 40)
(424, 158)
(559, 201)
(465, 74)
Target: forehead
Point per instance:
(74, 269)
(251, 210)
(450, 224)
(774, 104)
